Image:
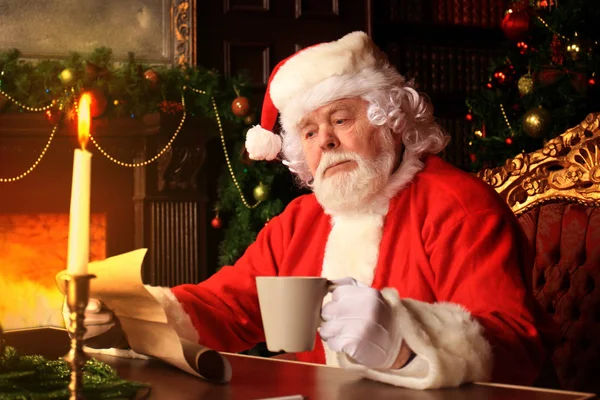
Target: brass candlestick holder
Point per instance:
(77, 288)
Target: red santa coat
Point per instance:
(449, 246)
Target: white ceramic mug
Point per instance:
(290, 307)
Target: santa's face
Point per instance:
(350, 159)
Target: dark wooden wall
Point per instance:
(444, 45)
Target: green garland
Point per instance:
(129, 88)
(34, 377)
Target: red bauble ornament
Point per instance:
(240, 106)
(508, 141)
(504, 76)
(473, 157)
(99, 102)
(515, 24)
(93, 72)
(152, 77)
(53, 116)
(216, 222)
(469, 117)
(591, 81)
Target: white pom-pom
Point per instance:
(262, 144)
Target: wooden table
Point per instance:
(259, 378)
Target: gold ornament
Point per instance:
(67, 76)
(261, 192)
(574, 47)
(525, 84)
(537, 122)
(250, 119)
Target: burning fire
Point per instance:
(33, 249)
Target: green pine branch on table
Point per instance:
(34, 377)
(543, 84)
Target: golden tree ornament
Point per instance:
(261, 192)
(537, 122)
(250, 119)
(67, 76)
(525, 84)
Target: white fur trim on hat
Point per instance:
(262, 144)
(350, 54)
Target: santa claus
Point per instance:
(428, 258)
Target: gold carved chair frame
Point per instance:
(566, 169)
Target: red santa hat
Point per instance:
(349, 67)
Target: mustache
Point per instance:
(330, 159)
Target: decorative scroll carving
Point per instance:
(185, 32)
(567, 168)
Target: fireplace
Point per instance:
(160, 206)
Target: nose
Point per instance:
(328, 140)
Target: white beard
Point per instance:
(349, 190)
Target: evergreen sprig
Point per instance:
(34, 377)
(38, 83)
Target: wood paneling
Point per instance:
(254, 58)
(246, 6)
(317, 8)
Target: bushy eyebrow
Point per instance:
(334, 108)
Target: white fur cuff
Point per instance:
(262, 144)
(176, 315)
(449, 346)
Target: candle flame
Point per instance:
(83, 126)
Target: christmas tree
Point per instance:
(544, 83)
(250, 193)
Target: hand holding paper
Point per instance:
(118, 285)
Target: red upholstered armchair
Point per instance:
(555, 192)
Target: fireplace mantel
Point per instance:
(161, 206)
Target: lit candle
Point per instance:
(79, 216)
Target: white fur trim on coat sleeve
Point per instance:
(449, 346)
(262, 144)
(176, 315)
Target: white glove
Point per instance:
(98, 319)
(360, 322)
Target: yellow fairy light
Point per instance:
(36, 162)
(227, 160)
(478, 133)
(23, 106)
(156, 156)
